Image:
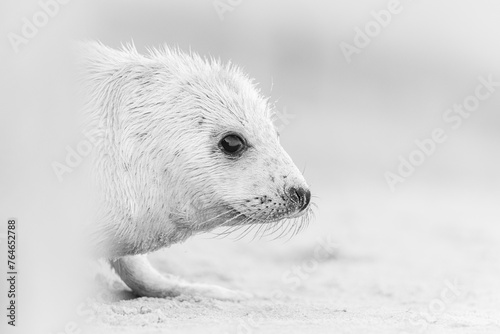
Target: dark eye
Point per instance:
(232, 144)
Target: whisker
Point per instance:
(260, 226)
(297, 223)
(245, 231)
(273, 228)
(266, 227)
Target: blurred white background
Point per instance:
(351, 121)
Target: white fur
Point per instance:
(160, 171)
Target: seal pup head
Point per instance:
(231, 160)
(188, 145)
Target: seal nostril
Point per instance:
(294, 195)
(300, 196)
(307, 198)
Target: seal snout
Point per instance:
(300, 196)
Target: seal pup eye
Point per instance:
(232, 144)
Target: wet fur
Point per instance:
(161, 176)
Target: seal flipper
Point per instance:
(145, 281)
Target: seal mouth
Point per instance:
(225, 219)
(240, 218)
(241, 224)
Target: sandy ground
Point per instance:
(400, 264)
